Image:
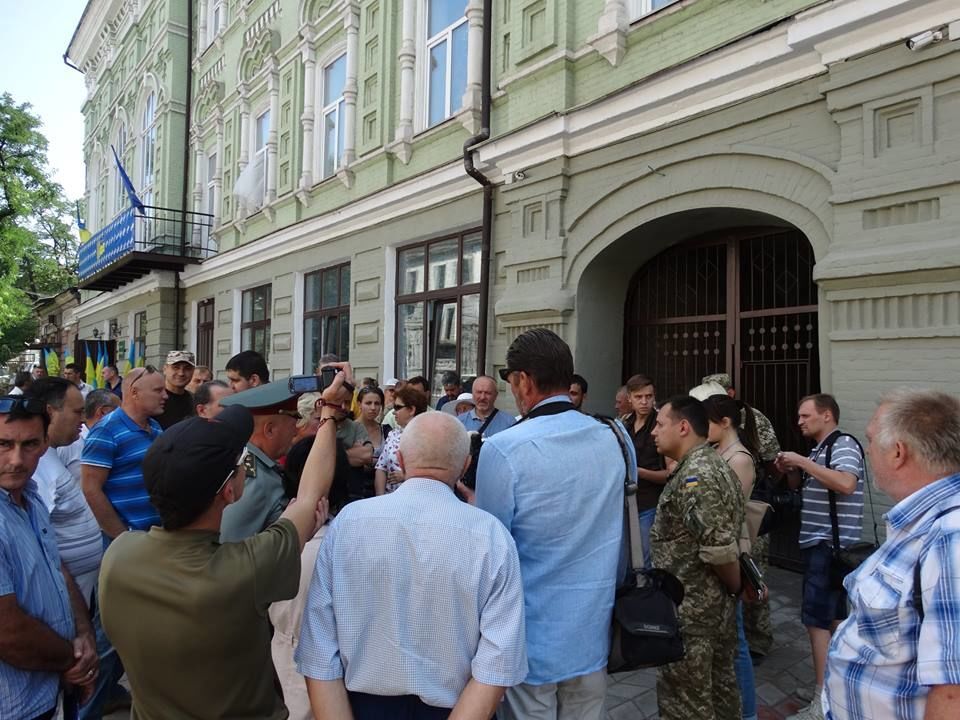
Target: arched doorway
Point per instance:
(740, 301)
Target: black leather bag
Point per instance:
(845, 560)
(645, 628)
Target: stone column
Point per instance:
(408, 58)
(308, 117)
(244, 157)
(470, 105)
(273, 86)
(218, 178)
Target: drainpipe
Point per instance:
(471, 170)
(177, 289)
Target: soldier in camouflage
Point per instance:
(756, 616)
(695, 536)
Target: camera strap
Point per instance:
(553, 408)
(834, 520)
(483, 428)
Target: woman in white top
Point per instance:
(407, 404)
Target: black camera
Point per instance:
(300, 384)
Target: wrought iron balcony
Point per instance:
(135, 243)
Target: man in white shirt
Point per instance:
(73, 373)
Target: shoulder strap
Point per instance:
(917, 589)
(487, 422)
(834, 522)
(553, 408)
(631, 513)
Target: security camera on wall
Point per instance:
(924, 39)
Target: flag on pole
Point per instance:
(90, 370)
(68, 357)
(127, 185)
(131, 357)
(51, 362)
(102, 360)
(82, 226)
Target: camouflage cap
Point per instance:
(719, 378)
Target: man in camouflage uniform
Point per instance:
(695, 536)
(756, 615)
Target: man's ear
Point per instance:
(400, 461)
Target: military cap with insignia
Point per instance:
(272, 398)
(723, 379)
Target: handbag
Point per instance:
(645, 627)
(846, 560)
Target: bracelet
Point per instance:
(323, 421)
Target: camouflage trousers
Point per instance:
(756, 616)
(702, 686)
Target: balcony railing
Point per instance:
(133, 244)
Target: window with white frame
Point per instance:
(639, 8)
(119, 191)
(211, 195)
(446, 58)
(216, 18)
(334, 78)
(148, 149)
(261, 135)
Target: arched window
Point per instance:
(148, 149)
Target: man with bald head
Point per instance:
(457, 646)
(485, 418)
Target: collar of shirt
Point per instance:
(552, 399)
(254, 450)
(472, 414)
(426, 485)
(913, 507)
(30, 488)
(122, 416)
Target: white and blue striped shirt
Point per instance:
(815, 524)
(414, 593)
(883, 660)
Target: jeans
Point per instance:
(646, 522)
(743, 667)
(111, 669)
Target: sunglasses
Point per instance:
(399, 407)
(30, 405)
(147, 370)
(240, 462)
(505, 373)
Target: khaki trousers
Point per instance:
(579, 698)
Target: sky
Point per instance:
(34, 34)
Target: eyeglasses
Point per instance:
(240, 462)
(147, 370)
(291, 413)
(505, 373)
(29, 405)
(399, 407)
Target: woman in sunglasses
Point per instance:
(407, 404)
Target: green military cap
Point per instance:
(719, 378)
(270, 399)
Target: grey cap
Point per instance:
(272, 398)
(719, 378)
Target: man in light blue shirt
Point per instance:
(416, 604)
(555, 480)
(485, 416)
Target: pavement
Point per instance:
(784, 672)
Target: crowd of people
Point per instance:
(238, 549)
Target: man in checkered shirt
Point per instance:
(897, 655)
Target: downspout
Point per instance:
(185, 195)
(486, 231)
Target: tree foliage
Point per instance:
(38, 249)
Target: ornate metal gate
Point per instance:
(742, 301)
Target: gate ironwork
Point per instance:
(742, 301)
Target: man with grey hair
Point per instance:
(446, 618)
(897, 655)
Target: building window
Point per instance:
(216, 18)
(260, 138)
(140, 338)
(211, 193)
(205, 326)
(438, 308)
(255, 320)
(334, 79)
(639, 8)
(446, 58)
(148, 148)
(326, 316)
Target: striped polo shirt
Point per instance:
(815, 524)
(119, 444)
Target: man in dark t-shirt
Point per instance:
(177, 373)
(651, 471)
